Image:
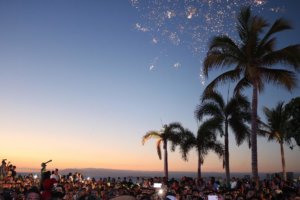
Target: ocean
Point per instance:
(100, 173)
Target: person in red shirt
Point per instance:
(48, 184)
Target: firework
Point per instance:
(191, 23)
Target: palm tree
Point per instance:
(276, 129)
(172, 133)
(204, 142)
(253, 61)
(235, 113)
(293, 128)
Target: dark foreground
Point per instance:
(75, 186)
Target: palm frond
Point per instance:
(266, 48)
(211, 125)
(218, 59)
(244, 19)
(238, 105)
(289, 56)
(173, 127)
(188, 142)
(149, 135)
(241, 85)
(240, 129)
(215, 97)
(243, 102)
(207, 109)
(258, 24)
(223, 42)
(263, 132)
(174, 143)
(282, 77)
(263, 129)
(158, 147)
(218, 148)
(292, 109)
(173, 132)
(277, 120)
(231, 75)
(278, 26)
(223, 45)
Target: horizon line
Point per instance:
(138, 170)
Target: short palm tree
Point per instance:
(204, 142)
(234, 114)
(253, 61)
(276, 129)
(172, 133)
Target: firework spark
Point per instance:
(155, 40)
(191, 23)
(177, 65)
(140, 28)
(191, 12)
(153, 63)
(151, 67)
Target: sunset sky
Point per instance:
(82, 81)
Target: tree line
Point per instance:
(251, 62)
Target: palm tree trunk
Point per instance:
(254, 133)
(283, 161)
(227, 155)
(199, 165)
(166, 160)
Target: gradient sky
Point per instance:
(81, 82)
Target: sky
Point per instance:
(82, 81)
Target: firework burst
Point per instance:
(191, 23)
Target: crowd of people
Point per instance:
(74, 186)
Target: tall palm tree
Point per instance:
(172, 133)
(276, 129)
(253, 61)
(235, 114)
(204, 142)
